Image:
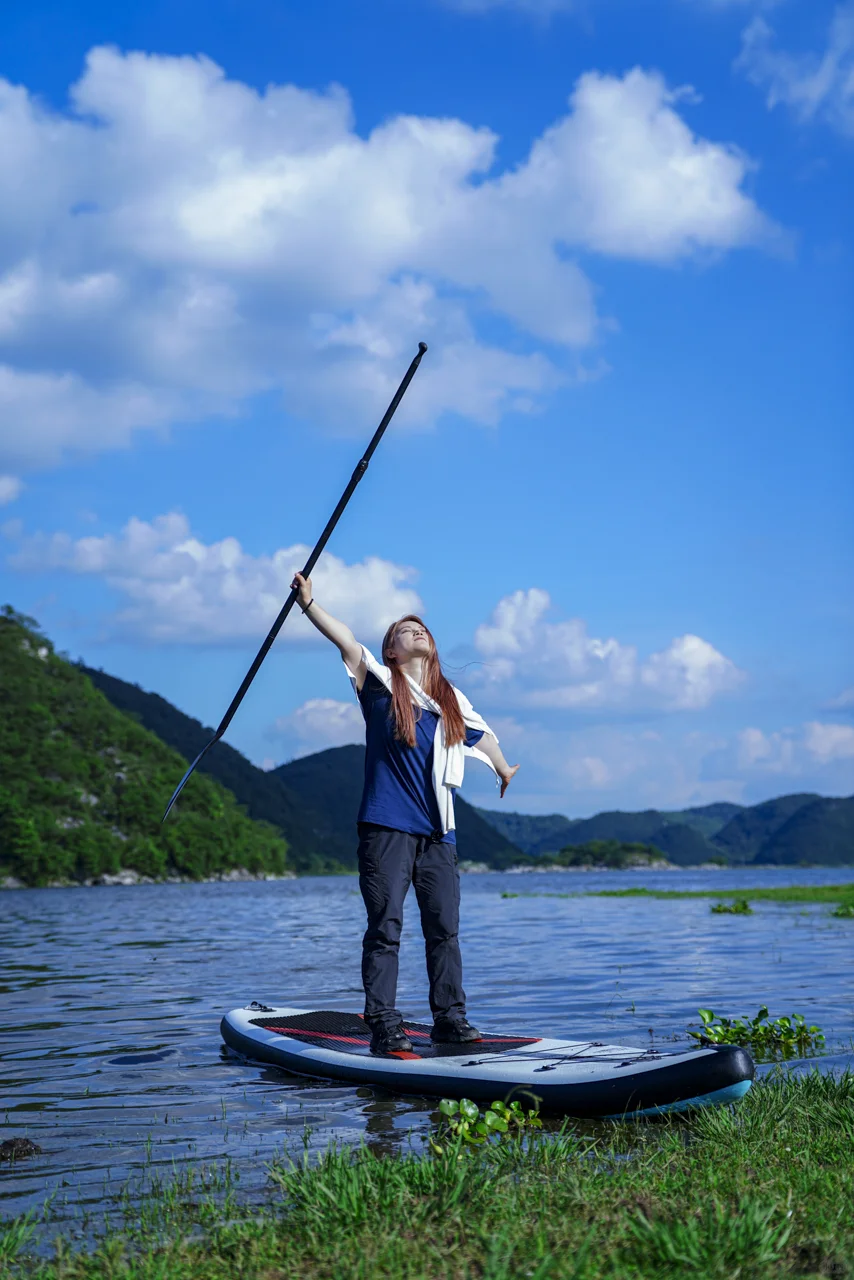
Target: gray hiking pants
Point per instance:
(388, 862)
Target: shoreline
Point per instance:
(127, 878)
(600, 1203)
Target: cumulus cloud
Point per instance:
(767, 752)
(320, 723)
(814, 86)
(577, 769)
(177, 242)
(810, 756)
(843, 701)
(10, 489)
(559, 666)
(181, 590)
(828, 742)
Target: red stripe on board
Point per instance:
(294, 1032)
(399, 1053)
(488, 1039)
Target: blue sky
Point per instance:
(619, 488)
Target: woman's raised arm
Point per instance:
(338, 632)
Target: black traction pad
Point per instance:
(348, 1033)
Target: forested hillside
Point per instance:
(265, 795)
(331, 783)
(313, 800)
(542, 837)
(824, 824)
(802, 828)
(747, 833)
(83, 787)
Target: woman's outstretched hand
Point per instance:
(506, 776)
(303, 587)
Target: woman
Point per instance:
(418, 730)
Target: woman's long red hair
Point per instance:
(434, 683)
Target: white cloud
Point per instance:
(767, 752)
(828, 742)
(321, 723)
(577, 768)
(178, 242)
(10, 489)
(807, 756)
(181, 590)
(843, 701)
(559, 666)
(581, 769)
(624, 175)
(689, 673)
(814, 86)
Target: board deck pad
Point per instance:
(349, 1033)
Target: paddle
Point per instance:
(309, 565)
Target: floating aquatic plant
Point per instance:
(784, 1036)
(463, 1122)
(741, 907)
(845, 911)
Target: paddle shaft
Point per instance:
(312, 560)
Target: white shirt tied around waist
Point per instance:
(448, 762)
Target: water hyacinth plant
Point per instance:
(741, 907)
(778, 1036)
(464, 1123)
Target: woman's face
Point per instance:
(411, 640)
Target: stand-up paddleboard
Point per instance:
(580, 1078)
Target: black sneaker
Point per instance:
(386, 1040)
(453, 1031)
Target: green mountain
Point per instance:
(265, 796)
(331, 783)
(83, 786)
(818, 832)
(708, 819)
(534, 834)
(313, 800)
(541, 836)
(746, 834)
(791, 829)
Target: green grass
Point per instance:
(835, 894)
(756, 1191)
(832, 893)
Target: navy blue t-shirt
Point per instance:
(399, 778)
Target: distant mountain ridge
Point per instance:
(789, 830)
(313, 802)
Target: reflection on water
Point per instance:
(110, 1053)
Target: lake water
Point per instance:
(110, 1053)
